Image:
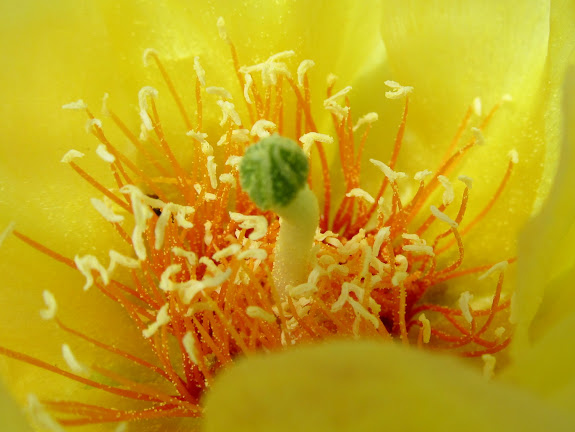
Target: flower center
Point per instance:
(204, 253)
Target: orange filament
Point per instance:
(351, 285)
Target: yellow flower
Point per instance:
(450, 54)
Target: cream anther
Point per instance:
(226, 252)
(360, 193)
(117, 258)
(499, 332)
(477, 106)
(302, 69)
(143, 95)
(368, 118)
(448, 194)
(381, 236)
(468, 181)
(259, 254)
(188, 290)
(229, 112)
(210, 196)
(104, 154)
(200, 72)
(200, 137)
(513, 156)
(421, 175)
(190, 346)
(190, 256)
(165, 283)
(488, 366)
(86, 264)
(401, 263)
(478, 135)
(263, 128)
(234, 161)
(332, 106)
(463, 302)
(443, 217)
(77, 105)
(398, 91)
(331, 80)
(228, 179)
(221, 24)
(74, 365)
(219, 91)
(105, 211)
(310, 138)
(418, 246)
(211, 167)
(142, 212)
(271, 68)
(208, 235)
(149, 52)
(105, 110)
(259, 224)
(162, 318)
(398, 278)
(426, 326)
(258, 312)
(168, 210)
(344, 91)
(391, 175)
(7, 231)
(247, 86)
(499, 267)
(71, 154)
(51, 305)
(93, 123)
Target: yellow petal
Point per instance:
(366, 386)
(547, 368)
(453, 52)
(11, 418)
(546, 263)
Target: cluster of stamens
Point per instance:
(202, 263)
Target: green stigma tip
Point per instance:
(273, 171)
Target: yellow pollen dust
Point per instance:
(203, 253)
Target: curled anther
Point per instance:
(398, 91)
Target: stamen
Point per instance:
(71, 154)
(464, 300)
(488, 366)
(398, 91)
(310, 138)
(104, 154)
(51, 306)
(162, 318)
(426, 325)
(6, 232)
(200, 72)
(74, 365)
(302, 69)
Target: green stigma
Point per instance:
(274, 174)
(273, 171)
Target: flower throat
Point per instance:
(206, 257)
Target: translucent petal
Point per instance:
(547, 368)
(546, 252)
(363, 386)
(11, 417)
